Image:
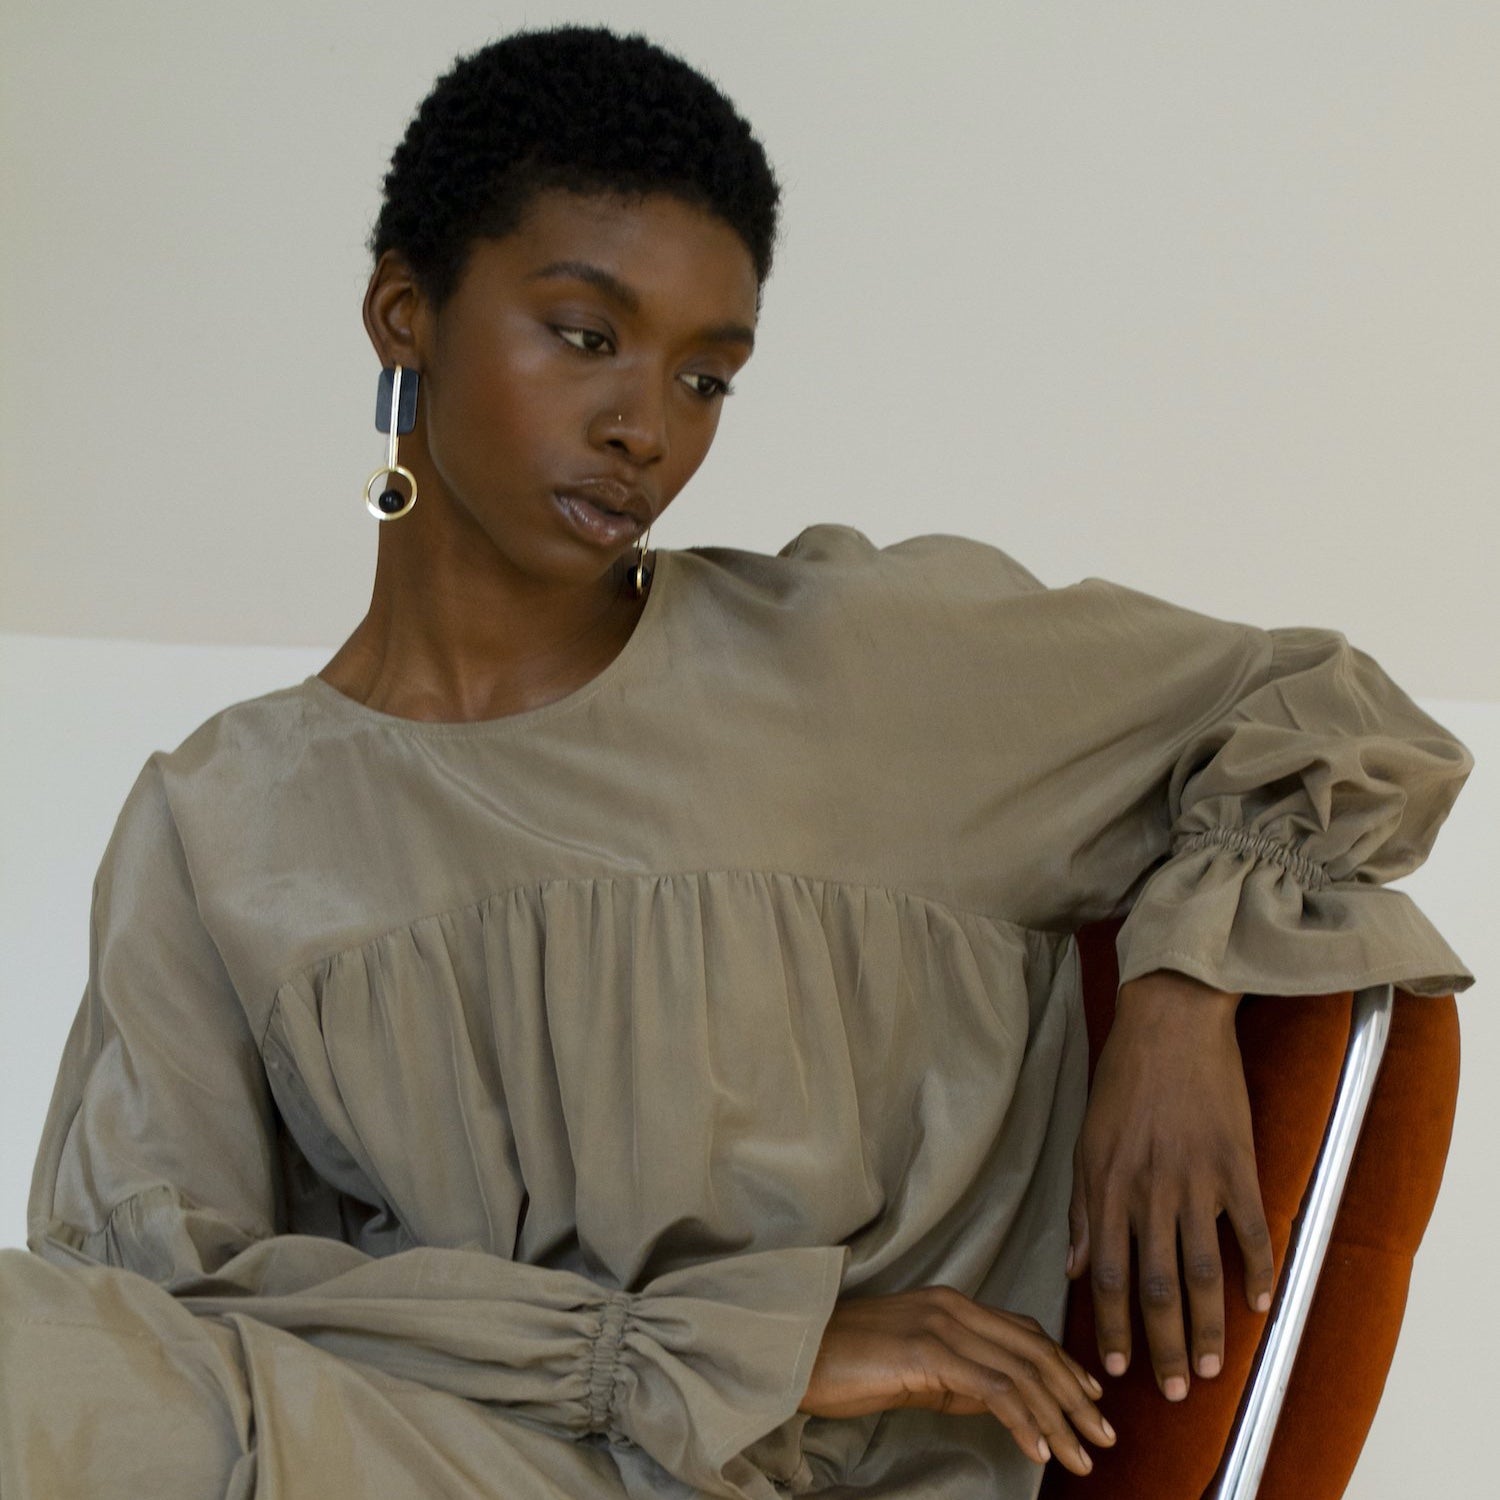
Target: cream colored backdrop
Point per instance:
(1195, 296)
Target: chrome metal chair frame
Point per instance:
(1250, 1443)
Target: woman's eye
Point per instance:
(714, 386)
(583, 336)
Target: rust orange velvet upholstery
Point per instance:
(1293, 1050)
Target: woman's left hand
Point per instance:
(1166, 1146)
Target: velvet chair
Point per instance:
(1294, 1053)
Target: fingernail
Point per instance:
(1085, 1460)
(1109, 1431)
(1068, 1269)
(1263, 1302)
(1095, 1388)
(1175, 1388)
(1043, 1449)
(1209, 1366)
(1114, 1364)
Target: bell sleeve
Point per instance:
(1243, 797)
(159, 1156)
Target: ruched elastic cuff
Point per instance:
(604, 1364)
(705, 1367)
(1249, 915)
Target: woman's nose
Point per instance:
(635, 423)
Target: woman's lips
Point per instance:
(595, 522)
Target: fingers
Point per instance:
(1073, 1388)
(1198, 1290)
(937, 1349)
(1019, 1396)
(1029, 1383)
(1248, 1216)
(1109, 1272)
(1203, 1271)
(1086, 1379)
(1161, 1302)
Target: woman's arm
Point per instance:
(1279, 818)
(157, 1157)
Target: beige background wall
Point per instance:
(1197, 297)
(1201, 297)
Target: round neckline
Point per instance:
(340, 702)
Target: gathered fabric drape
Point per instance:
(499, 1109)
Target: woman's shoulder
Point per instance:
(935, 551)
(229, 762)
(834, 555)
(245, 724)
(233, 758)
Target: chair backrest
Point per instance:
(1294, 1051)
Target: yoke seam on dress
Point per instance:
(521, 885)
(1260, 846)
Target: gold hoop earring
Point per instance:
(638, 574)
(395, 413)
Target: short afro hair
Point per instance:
(574, 107)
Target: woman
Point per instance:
(615, 1029)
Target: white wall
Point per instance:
(1197, 297)
(1200, 297)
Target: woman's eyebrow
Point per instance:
(618, 291)
(583, 270)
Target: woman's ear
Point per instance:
(395, 313)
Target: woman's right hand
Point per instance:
(936, 1348)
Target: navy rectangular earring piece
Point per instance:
(406, 418)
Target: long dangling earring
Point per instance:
(395, 413)
(638, 574)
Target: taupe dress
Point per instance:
(498, 1109)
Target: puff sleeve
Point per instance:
(1241, 796)
(159, 1158)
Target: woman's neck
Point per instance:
(459, 643)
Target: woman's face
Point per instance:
(587, 351)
